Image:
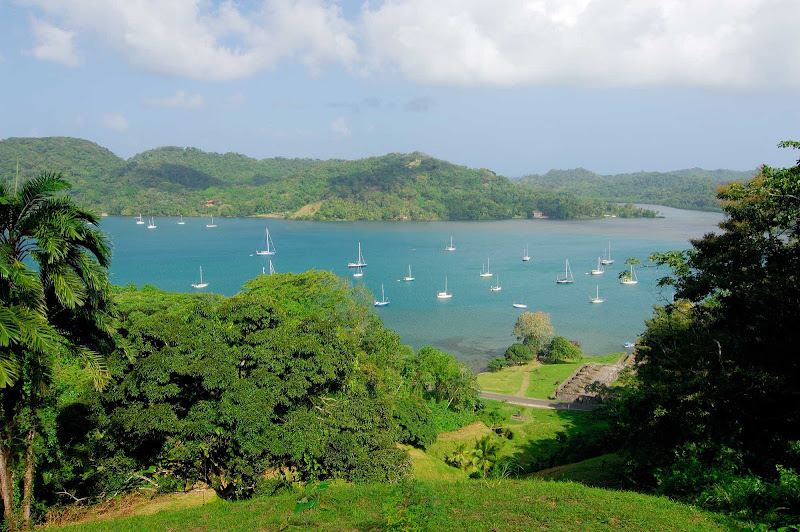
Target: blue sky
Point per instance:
(516, 86)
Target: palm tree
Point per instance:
(57, 309)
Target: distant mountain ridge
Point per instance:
(173, 180)
(693, 188)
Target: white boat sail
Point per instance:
(271, 268)
(445, 294)
(201, 284)
(360, 263)
(597, 298)
(152, 224)
(525, 255)
(408, 277)
(607, 256)
(567, 275)
(519, 304)
(270, 246)
(181, 222)
(451, 247)
(383, 302)
(599, 270)
(486, 272)
(496, 286)
(212, 224)
(139, 220)
(629, 278)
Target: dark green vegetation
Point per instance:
(172, 181)
(51, 316)
(684, 189)
(713, 415)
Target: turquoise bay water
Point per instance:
(475, 324)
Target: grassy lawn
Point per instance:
(543, 379)
(461, 505)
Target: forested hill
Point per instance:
(693, 188)
(189, 181)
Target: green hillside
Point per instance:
(693, 188)
(173, 180)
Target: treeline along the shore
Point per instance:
(188, 181)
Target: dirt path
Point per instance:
(526, 381)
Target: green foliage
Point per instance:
(293, 373)
(516, 354)
(562, 350)
(714, 413)
(480, 459)
(410, 507)
(534, 330)
(417, 425)
(685, 189)
(497, 363)
(436, 375)
(446, 419)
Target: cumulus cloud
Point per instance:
(585, 42)
(340, 128)
(690, 43)
(53, 44)
(208, 41)
(179, 100)
(115, 121)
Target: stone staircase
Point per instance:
(574, 388)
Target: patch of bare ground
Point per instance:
(474, 431)
(307, 210)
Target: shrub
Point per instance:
(562, 350)
(519, 354)
(417, 425)
(496, 364)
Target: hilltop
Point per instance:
(189, 181)
(693, 188)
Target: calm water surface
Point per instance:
(475, 324)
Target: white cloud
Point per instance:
(115, 121)
(53, 44)
(202, 40)
(340, 128)
(179, 100)
(585, 42)
(236, 99)
(689, 43)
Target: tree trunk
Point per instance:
(27, 481)
(7, 482)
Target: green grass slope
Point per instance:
(463, 505)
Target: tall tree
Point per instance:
(718, 369)
(534, 330)
(57, 309)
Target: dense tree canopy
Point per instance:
(716, 413)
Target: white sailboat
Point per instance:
(599, 270)
(383, 302)
(360, 263)
(567, 275)
(152, 224)
(201, 284)
(520, 304)
(607, 256)
(496, 286)
(486, 272)
(270, 246)
(451, 247)
(139, 220)
(629, 278)
(212, 224)
(525, 256)
(445, 294)
(408, 277)
(181, 222)
(358, 272)
(271, 268)
(597, 298)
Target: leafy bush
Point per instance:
(496, 364)
(562, 350)
(518, 354)
(410, 507)
(417, 425)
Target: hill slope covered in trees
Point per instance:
(173, 180)
(693, 188)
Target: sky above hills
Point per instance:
(517, 86)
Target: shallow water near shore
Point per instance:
(474, 325)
